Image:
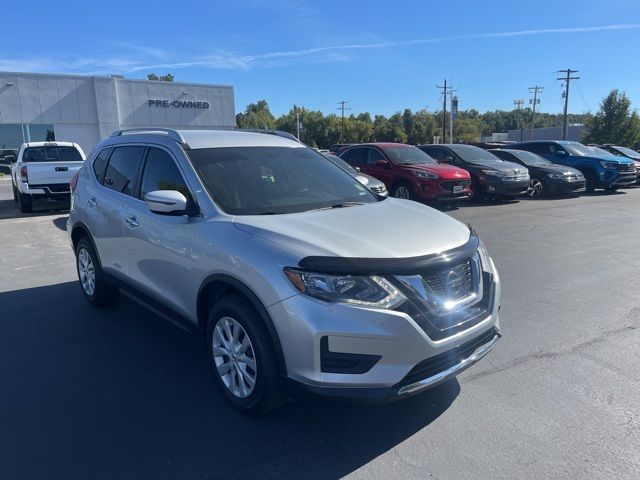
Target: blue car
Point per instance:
(600, 170)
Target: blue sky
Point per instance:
(379, 56)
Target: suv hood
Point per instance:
(390, 228)
(555, 168)
(503, 166)
(447, 172)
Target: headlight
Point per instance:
(609, 165)
(558, 175)
(432, 176)
(484, 257)
(493, 173)
(373, 291)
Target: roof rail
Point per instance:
(269, 131)
(171, 133)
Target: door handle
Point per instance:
(92, 202)
(132, 221)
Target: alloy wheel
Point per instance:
(234, 357)
(86, 272)
(403, 192)
(535, 188)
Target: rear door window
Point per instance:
(122, 172)
(356, 155)
(51, 154)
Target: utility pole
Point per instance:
(298, 123)
(453, 112)
(342, 108)
(518, 103)
(445, 90)
(567, 79)
(534, 101)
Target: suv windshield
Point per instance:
(408, 156)
(579, 149)
(531, 159)
(628, 152)
(472, 154)
(275, 180)
(51, 154)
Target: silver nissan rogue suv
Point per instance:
(295, 273)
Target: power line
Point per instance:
(534, 101)
(567, 79)
(342, 108)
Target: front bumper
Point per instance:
(618, 179)
(397, 355)
(503, 187)
(559, 186)
(443, 190)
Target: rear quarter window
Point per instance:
(100, 163)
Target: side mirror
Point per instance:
(448, 160)
(382, 163)
(166, 202)
(357, 168)
(561, 153)
(10, 158)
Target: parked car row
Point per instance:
(458, 171)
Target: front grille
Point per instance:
(434, 365)
(622, 167)
(449, 184)
(517, 176)
(441, 282)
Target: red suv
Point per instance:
(408, 172)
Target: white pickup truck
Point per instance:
(43, 170)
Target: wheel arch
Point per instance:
(80, 230)
(217, 286)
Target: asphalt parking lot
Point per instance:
(122, 393)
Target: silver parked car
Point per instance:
(372, 183)
(295, 273)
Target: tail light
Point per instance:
(74, 182)
(24, 175)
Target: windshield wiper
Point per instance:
(337, 205)
(272, 212)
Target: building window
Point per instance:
(13, 134)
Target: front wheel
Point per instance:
(590, 180)
(535, 188)
(403, 190)
(242, 355)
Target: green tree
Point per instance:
(256, 115)
(615, 122)
(167, 77)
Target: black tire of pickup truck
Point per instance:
(26, 203)
(15, 193)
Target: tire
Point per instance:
(476, 194)
(535, 188)
(612, 188)
(403, 190)
(92, 282)
(590, 179)
(15, 193)
(249, 378)
(26, 203)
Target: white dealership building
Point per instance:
(85, 109)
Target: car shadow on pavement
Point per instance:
(61, 223)
(120, 393)
(10, 209)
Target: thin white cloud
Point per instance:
(138, 58)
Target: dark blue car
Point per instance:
(600, 171)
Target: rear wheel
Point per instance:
(403, 190)
(26, 203)
(92, 282)
(535, 188)
(242, 356)
(15, 193)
